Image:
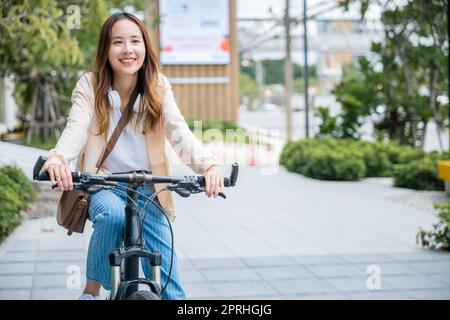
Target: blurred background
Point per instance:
(337, 111)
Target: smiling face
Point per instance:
(127, 50)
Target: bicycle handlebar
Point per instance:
(134, 177)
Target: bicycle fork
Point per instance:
(123, 286)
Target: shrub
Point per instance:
(376, 159)
(15, 193)
(420, 174)
(324, 158)
(286, 153)
(327, 158)
(26, 191)
(337, 165)
(398, 154)
(439, 236)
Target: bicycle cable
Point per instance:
(151, 199)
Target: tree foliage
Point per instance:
(50, 41)
(403, 85)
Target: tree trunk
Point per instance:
(432, 104)
(408, 89)
(393, 119)
(424, 133)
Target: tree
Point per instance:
(407, 74)
(45, 43)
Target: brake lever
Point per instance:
(198, 190)
(183, 192)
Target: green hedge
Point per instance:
(419, 174)
(326, 158)
(15, 193)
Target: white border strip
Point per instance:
(199, 80)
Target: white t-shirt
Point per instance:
(130, 151)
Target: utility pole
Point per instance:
(259, 70)
(305, 69)
(288, 73)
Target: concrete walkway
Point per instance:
(279, 236)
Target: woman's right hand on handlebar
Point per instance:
(61, 174)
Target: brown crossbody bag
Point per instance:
(73, 206)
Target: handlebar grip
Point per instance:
(43, 175)
(201, 181)
(228, 182)
(233, 175)
(37, 174)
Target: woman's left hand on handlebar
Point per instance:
(213, 181)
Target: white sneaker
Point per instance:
(88, 296)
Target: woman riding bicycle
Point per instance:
(126, 79)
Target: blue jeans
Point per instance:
(107, 213)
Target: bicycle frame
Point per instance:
(125, 261)
(123, 284)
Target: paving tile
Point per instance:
(17, 268)
(283, 272)
(61, 255)
(444, 277)
(367, 258)
(354, 284)
(391, 268)
(194, 290)
(432, 266)
(55, 294)
(230, 274)
(380, 295)
(272, 261)
(437, 294)
(191, 275)
(21, 256)
(319, 259)
(67, 281)
(206, 263)
(241, 288)
(25, 245)
(59, 267)
(329, 271)
(317, 297)
(15, 294)
(413, 282)
(15, 282)
(420, 255)
(302, 286)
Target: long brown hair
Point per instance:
(146, 84)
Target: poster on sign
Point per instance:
(194, 32)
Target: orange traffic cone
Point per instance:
(252, 161)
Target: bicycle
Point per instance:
(125, 260)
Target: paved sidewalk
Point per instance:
(275, 237)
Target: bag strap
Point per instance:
(126, 115)
(81, 205)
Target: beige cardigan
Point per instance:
(79, 141)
